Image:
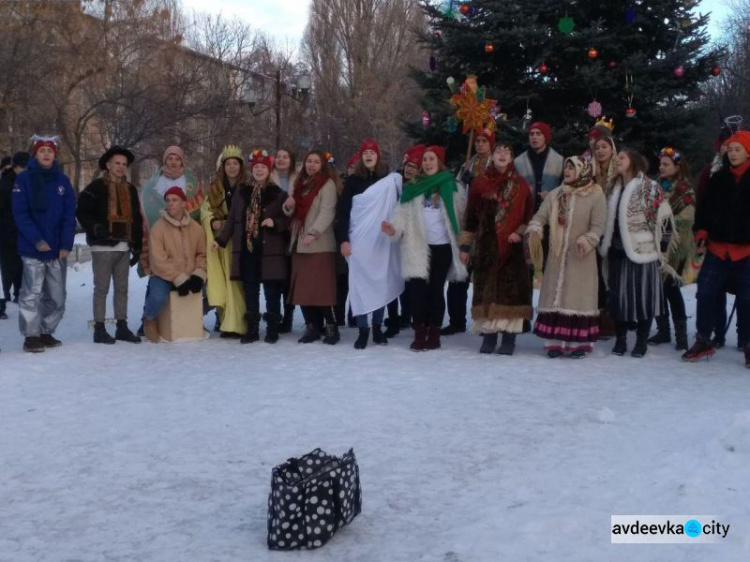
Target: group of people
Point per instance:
(611, 246)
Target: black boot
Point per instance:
(253, 328)
(332, 334)
(3, 315)
(489, 343)
(641, 339)
(507, 345)
(273, 321)
(680, 334)
(393, 327)
(452, 329)
(747, 355)
(378, 337)
(621, 339)
(123, 333)
(662, 334)
(101, 335)
(364, 335)
(702, 348)
(286, 323)
(311, 334)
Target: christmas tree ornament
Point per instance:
(433, 63)
(425, 119)
(566, 25)
(679, 71)
(630, 15)
(612, 65)
(593, 53)
(630, 112)
(716, 70)
(464, 9)
(594, 109)
(543, 68)
(451, 84)
(685, 23)
(489, 48)
(438, 35)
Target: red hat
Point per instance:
(258, 157)
(544, 128)
(369, 144)
(741, 137)
(353, 160)
(489, 135)
(438, 150)
(175, 190)
(413, 155)
(38, 142)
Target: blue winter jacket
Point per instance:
(55, 225)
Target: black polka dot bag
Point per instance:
(311, 498)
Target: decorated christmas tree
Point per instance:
(641, 62)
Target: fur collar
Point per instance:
(184, 221)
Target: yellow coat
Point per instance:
(223, 293)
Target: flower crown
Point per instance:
(330, 159)
(671, 153)
(263, 156)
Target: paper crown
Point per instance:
(606, 122)
(231, 151)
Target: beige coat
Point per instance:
(319, 223)
(570, 284)
(177, 249)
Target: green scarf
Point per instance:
(443, 183)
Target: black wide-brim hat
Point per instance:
(115, 151)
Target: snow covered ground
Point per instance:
(164, 452)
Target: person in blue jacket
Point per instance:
(44, 207)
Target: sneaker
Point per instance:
(702, 348)
(48, 340)
(578, 354)
(554, 353)
(32, 344)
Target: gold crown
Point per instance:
(231, 151)
(606, 122)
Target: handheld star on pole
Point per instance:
(473, 109)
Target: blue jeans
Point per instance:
(377, 318)
(157, 295)
(712, 282)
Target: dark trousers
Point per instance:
(673, 296)
(428, 297)
(250, 270)
(404, 298)
(712, 281)
(458, 295)
(11, 270)
(342, 292)
(318, 315)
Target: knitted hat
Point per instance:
(489, 135)
(173, 150)
(38, 142)
(260, 157)
(115, 151)
(21, 159)
(369, 144)
(413, 155)
(175, 190)
(743, 138)
(438, 150)
(543, 128)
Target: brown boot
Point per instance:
(151, 330)
(433, 338)
(420, 336)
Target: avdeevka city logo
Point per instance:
(693, 528)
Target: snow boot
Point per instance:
(378, 337)
(48, 340)
(662, 334)
(3, 315)
(311, 334)
(452, 329)
(621, 339)
(286, 323)
(701, 348)
(32, 344)
(680, 334)
(507, 345)
(332, 334)
(420, 336)
(433, 338)
(364, 335)
(123, 333)
(101, 335)
(641, 339)
(393, 327)
(489, 343)
(253, 328)
(273, 321)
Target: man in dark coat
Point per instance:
(11, 267)
(109, 211)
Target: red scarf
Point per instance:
(740, 170)
(305, 193)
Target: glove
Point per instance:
(101, 232)
(195, 283)
(183, 289)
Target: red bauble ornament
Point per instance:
(438, 35)
(612, 64)
(679, 72)
(593, 53)
(716, 70)
(630, 112)
(543, 68)
(489, 47)
(464, 9)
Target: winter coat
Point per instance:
(408, 222)
(318, 222)
(93, 213)
(553, 171)
(724, 208)
(353, 186)
(177, 249)
(55, 225)
(275, 179)
(570, 285)
(272, 240)
(8, 230)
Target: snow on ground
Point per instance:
(164, 452)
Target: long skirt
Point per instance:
(313, 281)
(635, 289)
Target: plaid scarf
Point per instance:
(253, 215)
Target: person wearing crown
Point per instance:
(44, 209)
(674, 178)
(222, 291)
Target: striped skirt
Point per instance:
(635, 289)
